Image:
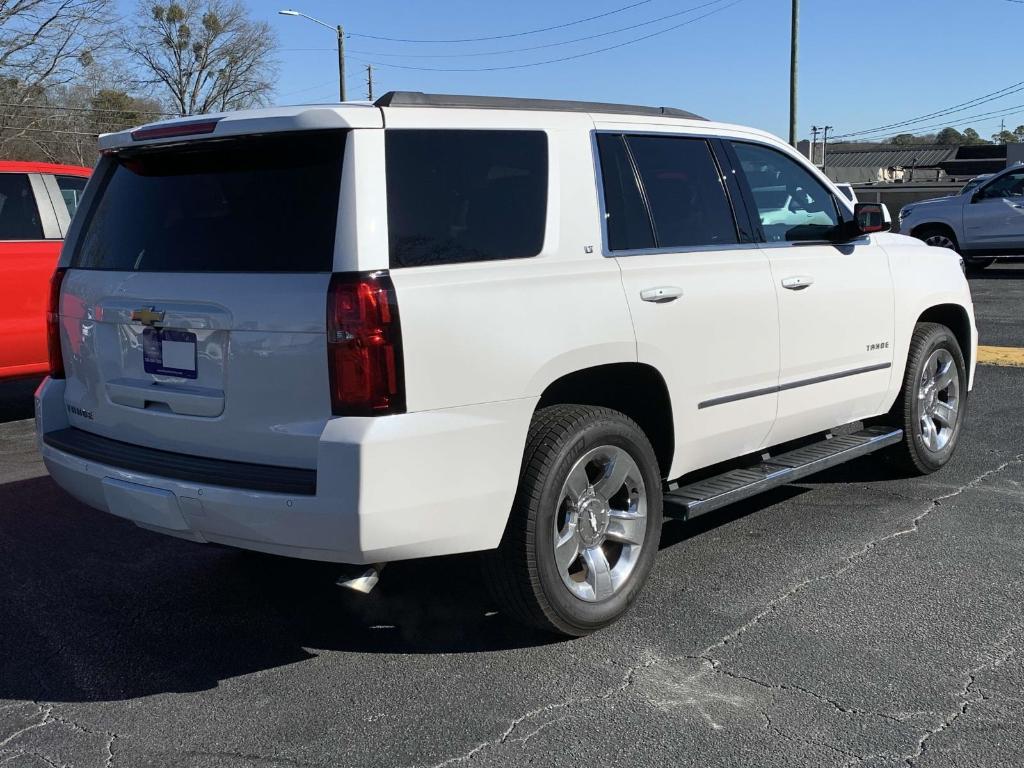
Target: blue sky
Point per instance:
(863, 64)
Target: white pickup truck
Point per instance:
(438, 324)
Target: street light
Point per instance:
(341, 45)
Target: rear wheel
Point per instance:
(933, 401)
(585, 525)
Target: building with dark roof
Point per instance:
(866, 163)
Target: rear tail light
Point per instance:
(53, 326)
(364, 346)
(169, 130)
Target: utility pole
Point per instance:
(341, 44)
(794, 48)
(824, 145)
(369, 82)
(341, 62)
(814, 141)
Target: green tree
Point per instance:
(949, 136)
(972, 137)
(903, 139)
(1009, 137)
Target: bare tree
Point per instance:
(44, 44)
(203, 55)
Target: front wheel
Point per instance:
(933, 402)
(938, 237)
(585, 525)
(977, 266)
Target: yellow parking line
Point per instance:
(1001, 356)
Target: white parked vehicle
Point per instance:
(982, 221)
(847, 190)
(440, 324)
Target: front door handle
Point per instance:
(661, 294)
(798, 282)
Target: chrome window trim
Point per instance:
(57, 201)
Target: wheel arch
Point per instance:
(634, 389)
(947, 228)
(956, 318)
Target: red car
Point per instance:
(37, 202)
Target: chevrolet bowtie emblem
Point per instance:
(147, 316)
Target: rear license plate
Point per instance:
(169, 353)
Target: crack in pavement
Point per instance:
(48, 717)
(772, 728)
(850, 561)
(713, 665)
(837, 706)
(970, 696)
(627, 681)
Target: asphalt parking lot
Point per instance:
(853, 620)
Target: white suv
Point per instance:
(981, 222)
(438, 324)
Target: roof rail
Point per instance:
(418, 99)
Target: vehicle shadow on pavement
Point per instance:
(677, 531)
(999, 271)
(93, 608)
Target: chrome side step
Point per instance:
(715, 492)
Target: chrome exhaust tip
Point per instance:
(364, 582)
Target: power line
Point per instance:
(1001, 93)
(127, 110)
(505, 36)
(531, 47)
(557, 60)
(1005, 112)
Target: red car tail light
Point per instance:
(364, 346)
(53, 326)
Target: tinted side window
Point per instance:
(19, 217)
(457, 196)
(791, 203)
(629, 226)
(684, 190)
(1010, 185)
(71, 188)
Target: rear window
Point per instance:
(252, 204)
(458, 196)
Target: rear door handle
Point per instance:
(798, 282)
(661, 294)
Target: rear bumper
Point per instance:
(388, 488)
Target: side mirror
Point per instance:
(871, 217)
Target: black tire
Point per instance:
(913, 456)
(522, 573)
(977, 266)
(938, 237)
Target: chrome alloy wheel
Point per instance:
(600, 523)
(940, 241)
(938, 396)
